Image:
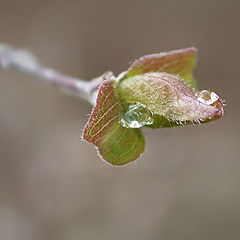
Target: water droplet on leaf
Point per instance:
(207, 97)
(211, 98)
(136, 116)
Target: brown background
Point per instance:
(53, 186)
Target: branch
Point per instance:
(24, 61)
(157, 91)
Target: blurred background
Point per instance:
(54, 186)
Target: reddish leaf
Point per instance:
(116, 144)
(168, 96)
(179, 62)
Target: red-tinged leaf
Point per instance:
(169, 97)
(179, 62)
(116, 144)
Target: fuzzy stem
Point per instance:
(24, 61)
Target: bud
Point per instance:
(157, 91)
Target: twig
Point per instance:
(24, 61)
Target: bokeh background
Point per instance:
(53, 186)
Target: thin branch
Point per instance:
(24, 61)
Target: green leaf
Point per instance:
(169, 97)
(179, 62)
(116, 144)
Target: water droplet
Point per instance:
(207, 97)
(211, 98)
(136, 116)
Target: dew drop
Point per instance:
(207, 97)
(136, 116)
(211, 98)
